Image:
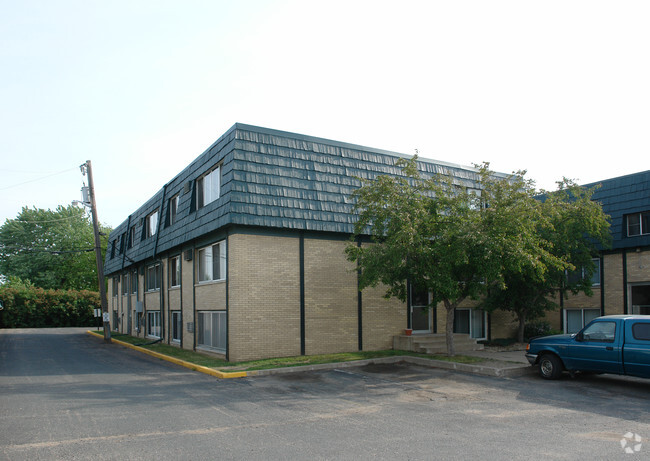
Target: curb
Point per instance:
(507, 370)
(183, 363)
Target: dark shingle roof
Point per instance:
(269, 178)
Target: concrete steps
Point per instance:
(435, 343)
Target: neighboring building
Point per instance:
(242, 253)
(622, 283)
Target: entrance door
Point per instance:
(420, 311)
(640, 299)
(470, 322)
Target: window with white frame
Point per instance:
(116, 286)
(212, 330)
(131, 239)
(638, 224)
(173, 208)
(134, 282)
(177, 326)
(125, 284)
(208, 187)
(576, 319)
(151, 224)
(212, 262)
(153, 277)
(175, 271)
(153, 324)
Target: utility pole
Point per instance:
(87, 168)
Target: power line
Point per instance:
(37, 179)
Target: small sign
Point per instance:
(98, 312)
(107, 317)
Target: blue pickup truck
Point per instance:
(618, 344)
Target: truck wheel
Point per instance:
(550, 366)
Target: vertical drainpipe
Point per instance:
(602, 285)
(625, 300)
(162, 272)
(227, 295)
(359, 303)
(301, 257)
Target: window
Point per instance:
(173, 208)
(638, 224)
(600, 332)
(175, 271)
(581, 274)
(131, 239)
(125, 284)
(116, 283)
(576, 319)
(151, 224)
(113, 244)
(212, 262)
(212, 330)
(641, 331)
(177, 326)
(122, 243)
(153, 324)
(153, 277)
(208, 187)
(134, 282)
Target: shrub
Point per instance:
(539, 328)
(27, 306)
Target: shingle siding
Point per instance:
(271, 179)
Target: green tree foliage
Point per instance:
(571, 226)
(457, 243)
(50, 249)
(27, 306)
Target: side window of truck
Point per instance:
(641, 331)
(600, 331)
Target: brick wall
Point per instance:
(264, 296)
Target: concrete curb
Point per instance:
(498, 370)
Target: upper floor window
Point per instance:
(173, 208)
(208, 187)
(153, 277)
(125, 284)
(131, 239)
(116, 284)
(638, 224)
(151, 224)
(212, 262)
(175, 271)
(133, 278)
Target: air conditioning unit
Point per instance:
(139, 307)
(188, 255)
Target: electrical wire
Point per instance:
(38, 179)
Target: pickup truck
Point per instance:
(618, 344)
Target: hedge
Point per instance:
(31, 307)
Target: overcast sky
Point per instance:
(142, 87)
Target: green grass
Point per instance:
(209, 361)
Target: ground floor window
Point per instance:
(116, 321)
(153, 324)
(177, 325)
(640, 299)
(212, 330)
(470, 322)
(576, 319)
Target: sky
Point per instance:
(142, 87)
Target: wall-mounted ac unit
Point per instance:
(139, 307)
(188, 255)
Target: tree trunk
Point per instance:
(520, 330)
(449, 328)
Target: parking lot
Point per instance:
(66, 395)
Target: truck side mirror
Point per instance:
(579, 337)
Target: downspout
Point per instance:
(162, 272)
(602, 285)
(625, 300)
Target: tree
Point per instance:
(51, 249)
(571, 226)
(440, 237)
